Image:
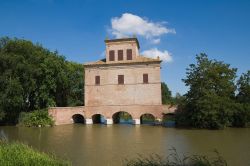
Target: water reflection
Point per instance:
(109, 145)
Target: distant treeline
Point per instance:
(33, 78)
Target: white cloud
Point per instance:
(129, 24)
(154, 53)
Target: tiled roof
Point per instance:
(139, 59)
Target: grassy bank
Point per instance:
(13, 154)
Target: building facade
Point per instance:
(123, 81)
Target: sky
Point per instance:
(175, 30)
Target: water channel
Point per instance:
(110, 145)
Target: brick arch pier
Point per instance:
(63, 115)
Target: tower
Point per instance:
(123, 81)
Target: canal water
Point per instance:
(111, 145)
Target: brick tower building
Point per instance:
(123, 81)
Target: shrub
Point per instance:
(38, 118)
(13, 154)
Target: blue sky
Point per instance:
(77, 29)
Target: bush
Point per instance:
(13, 154)
(175, 160)
(38, 118)
(241, 115)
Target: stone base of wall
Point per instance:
(136, 121)
(109, 121)
(89, 121)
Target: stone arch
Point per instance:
(78, 118)
(122, 117)
(147, 118)
(98, 118)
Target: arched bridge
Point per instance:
(108, 114)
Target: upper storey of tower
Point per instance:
(123, 51)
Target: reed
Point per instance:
(175, 159)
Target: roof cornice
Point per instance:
(123, 39)
(122, 64)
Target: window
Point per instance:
(111, 55)
(120, 55)
(97, 80)
(129, 54)
(120, 79)
(145, 78)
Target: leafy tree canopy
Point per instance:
(210, 99)
(32, 77)
(165, 94)
(244, 88)
(241, 117)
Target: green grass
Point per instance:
(174, 159)
(18, 154)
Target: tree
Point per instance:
(244, 88)
(75, 88)
(11, 99)
(32, 78)
(210, 99)
(178, 99)
(165, 94)
(241, 116)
